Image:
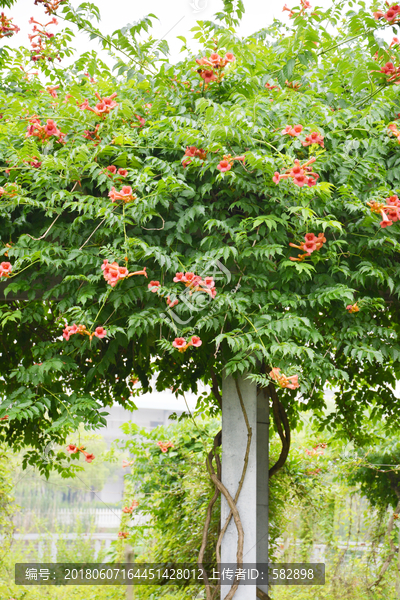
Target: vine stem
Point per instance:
(379, 89)
(232, 503)
(107, 41)
(259, 337)
(125, 236)
(235, 513)
(244, 470)
(271, 146)
(101, 307)
(283, 427)
(93, 232)
(46, 232)
(57, 217)
(59, 399)
(393, 550)
(24, 269)
(211, 455)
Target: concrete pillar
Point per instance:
(253, 500)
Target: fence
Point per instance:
(97, 518)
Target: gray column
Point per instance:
(262, 480)
(253, 500)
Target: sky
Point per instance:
(175, 17)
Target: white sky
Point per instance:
(176, 17)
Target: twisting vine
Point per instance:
(215, 476)
(244, 470)
(282, 424)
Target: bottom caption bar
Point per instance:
(169, 574)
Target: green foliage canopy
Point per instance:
(58, 223)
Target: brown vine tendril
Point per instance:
(232, 503)
(262, 595)
(238, 523)
(211, 456)
(155, 228)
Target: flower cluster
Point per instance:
(122, 535)
(215, 62)
(393, 128)
(293, 85)
(44, 132)
(314, 138)
(112, 170)
(293, 131)
(7, 28)
(269, 86)
(196, 283)
(5, 269)
(310, 244)
(193, 152)
(304, 6)
(129, 509)
(227, 162)
(283, 381)
(50, 6)
(392, 73)
(52, 90)
(10, 190)
(34, 162)
(127, 463)
(92, 135)
(99, 332)
(142, 121)
(389, 210)
(164, 446)
(126, 193)
(40, 46)
(153, 286)
(113, 272)
(172, 303)
(352, 308)
(91, 79)
(318, 450)
(72, 449)
(390, 15)
(181, 345)
(103, 107)
(301, 174)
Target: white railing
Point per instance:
(104, 518)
